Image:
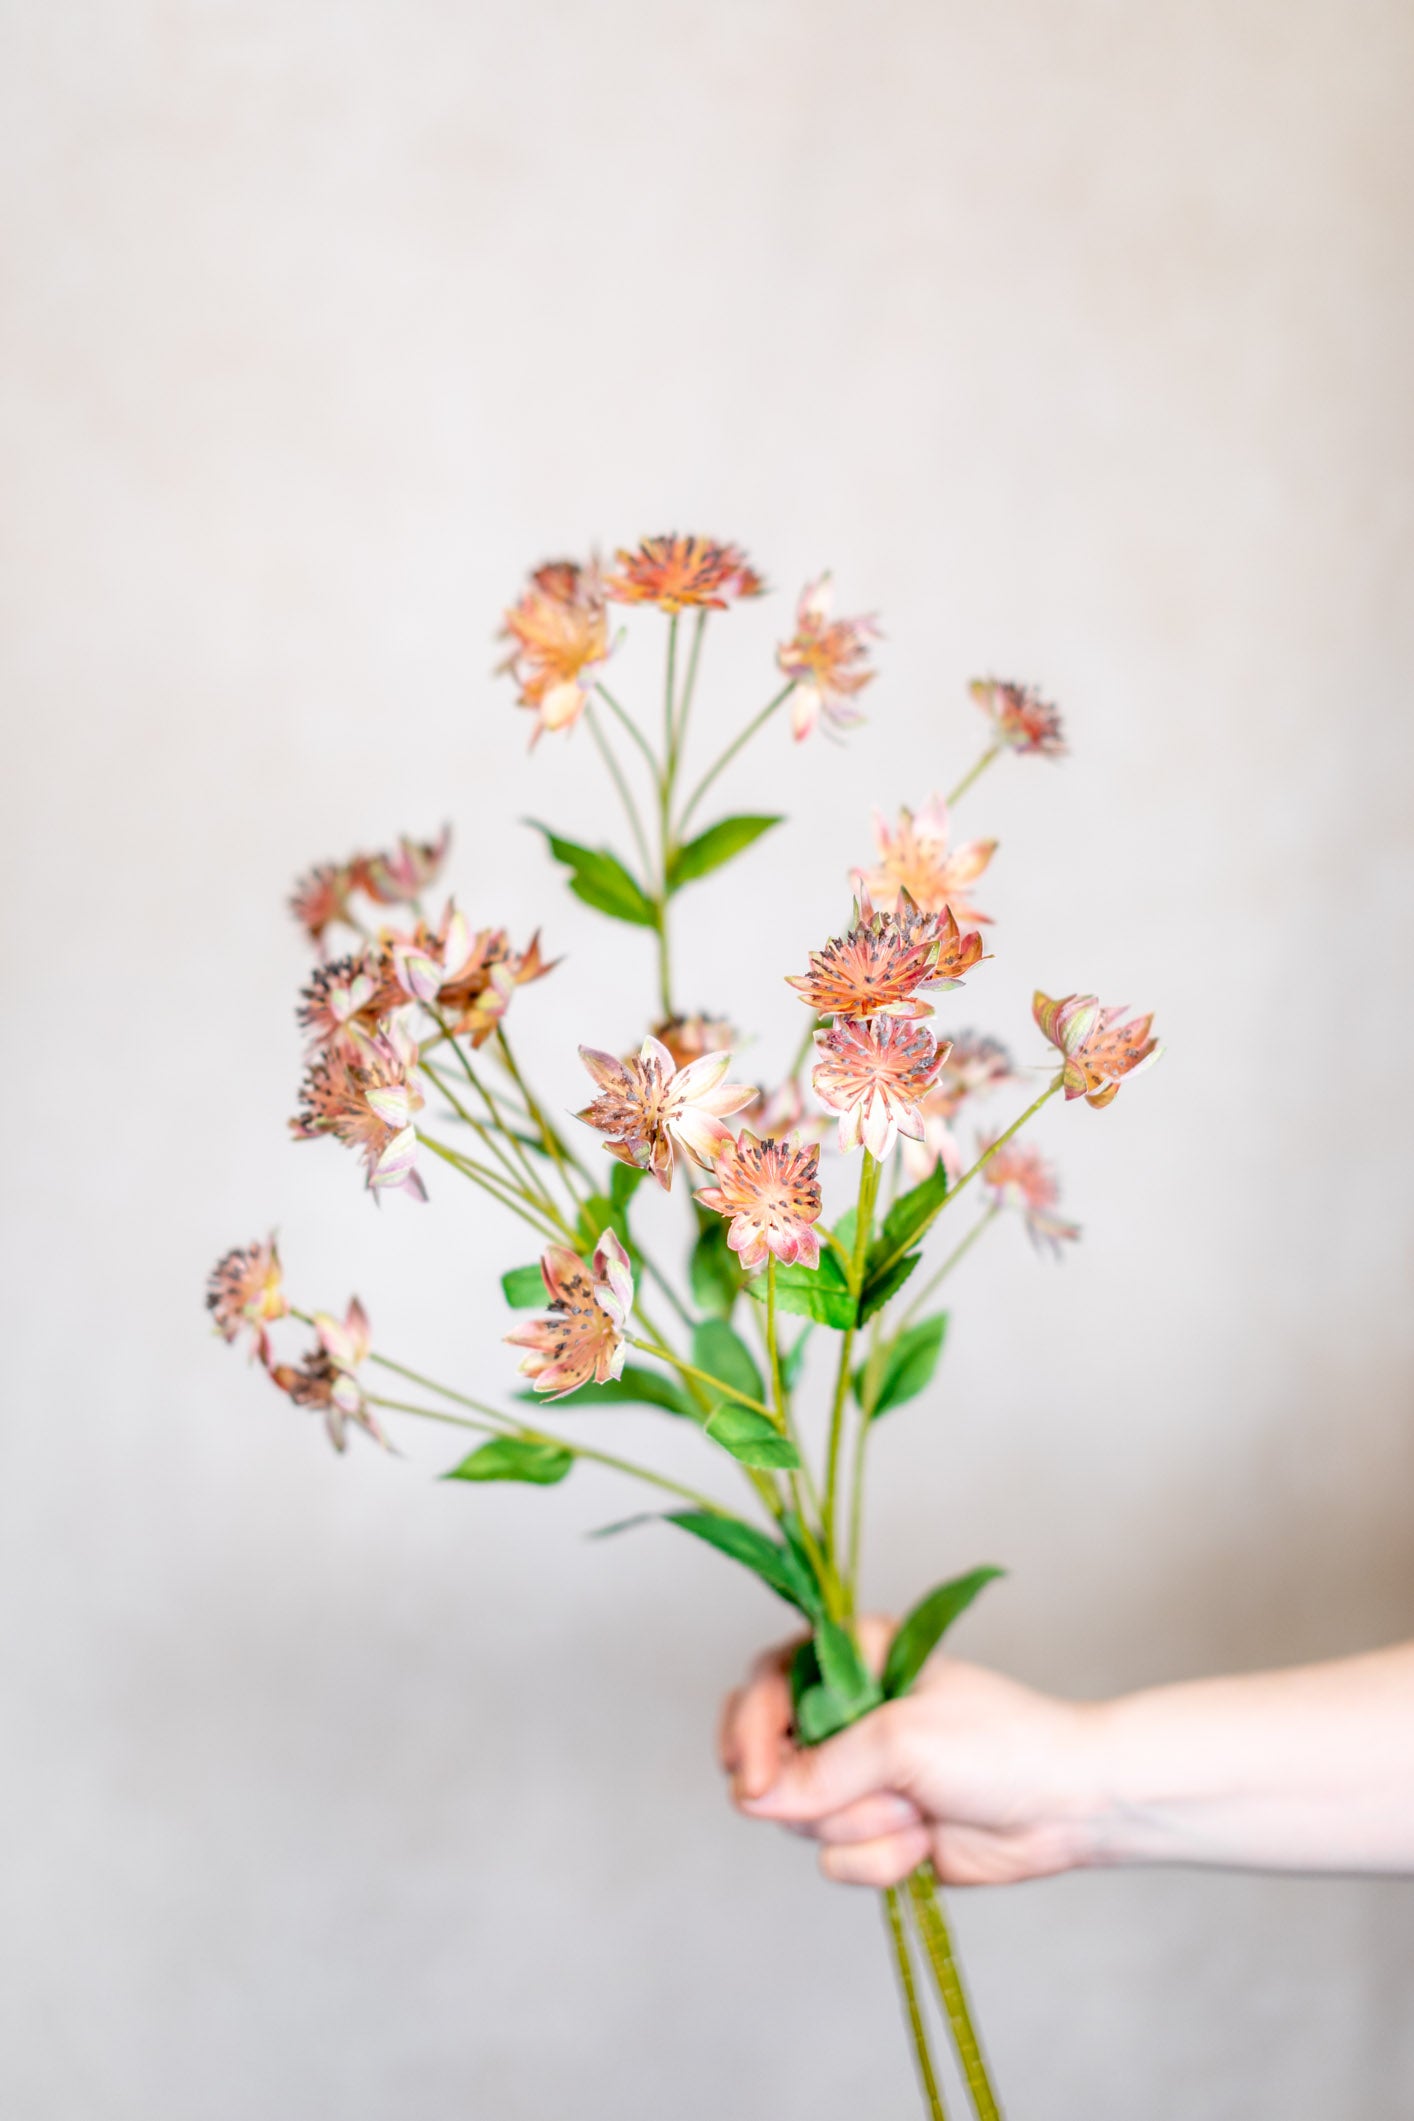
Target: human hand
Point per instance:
(989, 1779)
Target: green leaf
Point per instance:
(926, 1625)
(909, 1214)
(714, 1274)
(878, 1288)
(515, 1458)
(714, 846)
(724, 1355)
(751, 1437)
(821, 1293)
(820, 1714)
(907, 1367)
(601, 880)
(524, 1288)
(775, 1565)
(638, 1387)
(844, 1670)
(845, 1228)
(624, 1182)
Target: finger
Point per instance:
(726, 1731)
(867, 1820)
(759, 1727)
(887, 1861)
(825, 1778)
(876, 1631)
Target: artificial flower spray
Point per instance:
(782, 1339)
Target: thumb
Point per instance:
(823, 1779)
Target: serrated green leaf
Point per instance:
(724, 1355)
(515, 1458)
(879, 1287)
(910, 1213)
(638, 1386)
(820, 1714)
(601, 880)
(821, 1293)
(907, 1365)
(775, 1565)
(925, 1626)
(750, 1437)
(729, 836)
(714, 1273)
(524, 1288)
(794, 1539)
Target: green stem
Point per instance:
(803, 1050)
(665, 822)
(689, 688)
(976, 771)
(616, 774)
(967, 1177)
(903, 1961)
(633, 729)
(491, 1182)
(561, 1443)
(703, 1377)
(773, 1345)
(933, 1929)
(514, 1176)
(958, 1252)
(864, 1217)
(529, 1178)
(559, 1155)
(731, 751)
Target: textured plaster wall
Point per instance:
(1078, 341)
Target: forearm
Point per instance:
(1311, 1769)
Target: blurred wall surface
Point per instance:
(1077, 342)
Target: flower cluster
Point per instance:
(560, 627)
(1020, 717)
(327, 1378)
(771, 1191)
(648, 1107)
(680, 574)
(913, 857)
(322, 896)
(826, 660)
(245, 1291)
(368, 1097)
(1097, 1047)
(1018, 1177)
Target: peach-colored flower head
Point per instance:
(345, 999)
(1020, 717)
(687, 1038)
(826, 659)
(885, 961)
(246, 1291)
(784, 1111)
(560, 627)
(582, 1334)
(676, 573)
(648, 1107)
(368, 1099)
(914, 857)
(321, 897)
(1018, 1177)
(327, 1378)
(1097, 1048)
(875, 1072)
(771, 1190)
(398, 877)
(973, 1065)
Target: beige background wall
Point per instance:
(1078, 341)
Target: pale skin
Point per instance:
(1310, 1769)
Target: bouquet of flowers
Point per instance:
(411, 1063)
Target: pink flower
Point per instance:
(1020, 1178)
(973, 1065)
(327, 1377)
(582, 1334)
(1020, 717)
(648, 1107)
(561, 632)
(1098, 1049)
(771, 1190)
(875, 1074)
(321, 897)
(344, 1000)
(246, 1291)
(368, 1100)
(914, 857)
(825, 659)
(885, 961)
(679, 573)
(399, 877)
(687, 1038)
